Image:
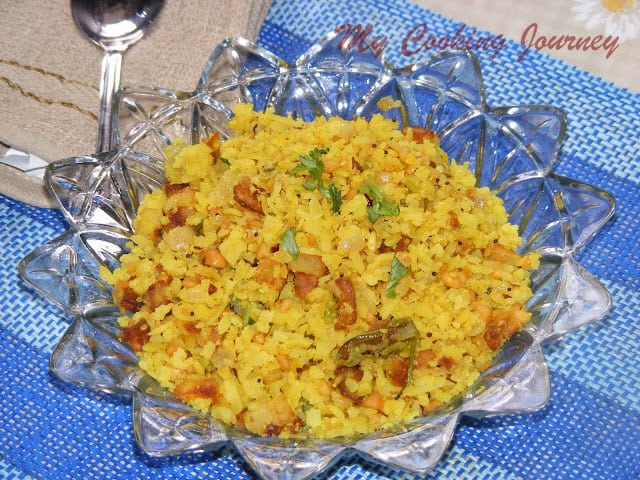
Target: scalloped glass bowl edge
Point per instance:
(512, 150)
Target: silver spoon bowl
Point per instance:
(114, 25)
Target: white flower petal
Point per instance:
(599, 19)
(628, 27)
(614, 26)
(586, 7)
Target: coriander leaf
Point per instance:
(242, 310)
(381, 204)
(288, 242)
(312, 163)
(315, 167)
(333, 194)
(246, 318)
(398, 271)
(305, 404)
(297, 169)
(372, 215)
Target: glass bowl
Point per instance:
(512, 150)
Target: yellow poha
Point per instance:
(319, 279)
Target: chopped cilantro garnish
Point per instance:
(288, 242)
(312, 163)
(309, 184)
(315, 167)
(334, 195)
(242, 310)
(381, 205)
(398, 271)
(305, 404)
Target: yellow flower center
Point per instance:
(617, 6)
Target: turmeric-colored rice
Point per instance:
(319, 279)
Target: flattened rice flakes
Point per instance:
(321, 279)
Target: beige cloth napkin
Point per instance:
(49, 73)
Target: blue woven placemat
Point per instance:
(589, 430)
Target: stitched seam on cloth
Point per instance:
(55, 75)
(40, 99)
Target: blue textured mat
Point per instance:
(589, 430)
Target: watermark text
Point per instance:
(532, 39)
(420, 40)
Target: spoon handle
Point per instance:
(109, 85)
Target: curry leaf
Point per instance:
(383, 342)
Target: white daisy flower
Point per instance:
(620, 18)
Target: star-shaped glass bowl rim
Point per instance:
(512, 150)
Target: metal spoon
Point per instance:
(113, 25)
